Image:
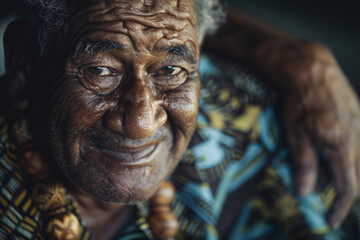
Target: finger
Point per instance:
(343, 170)
(304, 163)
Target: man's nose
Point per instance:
(139, 113)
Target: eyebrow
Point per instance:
(90, 46)
(179, 50)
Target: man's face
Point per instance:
(125, 105)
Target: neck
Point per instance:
(104, 220)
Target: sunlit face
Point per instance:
(125, 106)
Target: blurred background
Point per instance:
(336, 24)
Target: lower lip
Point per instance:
(130, 157)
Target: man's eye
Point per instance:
(100, 71)
(170, 77)
(170, 71)
(101, 80)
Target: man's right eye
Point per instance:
(100, 71)
(101, 80)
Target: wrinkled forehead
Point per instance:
(144, 22)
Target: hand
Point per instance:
(322, 115)
(321, 111)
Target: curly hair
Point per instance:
(46, 16)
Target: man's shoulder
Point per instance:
(18, 214)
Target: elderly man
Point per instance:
(102, 103)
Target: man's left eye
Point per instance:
(170, 77)
(170, 71)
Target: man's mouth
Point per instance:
(125, 156)
(130, 154)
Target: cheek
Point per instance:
(74, 108)
(182, 105)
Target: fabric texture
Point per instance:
(233, 181)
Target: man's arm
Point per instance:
(321, 110)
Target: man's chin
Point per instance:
(122, 199)
(128, 186)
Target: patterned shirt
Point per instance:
(233, 182)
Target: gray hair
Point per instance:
(49, 15)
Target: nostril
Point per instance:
(161, 116)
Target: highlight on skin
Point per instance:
(124, 103)
(47, 16)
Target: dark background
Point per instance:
(336, 24)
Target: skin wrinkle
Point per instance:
(123, 189)
(74, 130)
(349, 126)
(112, 139)
(188, 53)
(95, 169)
(170, 10)
(138, 41)
(320, 125)
(177, 125)
(148, 2)
(176, 19)
(136, 19)
(168, 102)
(306, 102)
(329, 132)
(127, 190)
(83, 117)
(155, 20)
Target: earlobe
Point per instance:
(21, 52)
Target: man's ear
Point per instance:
(21, 54)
